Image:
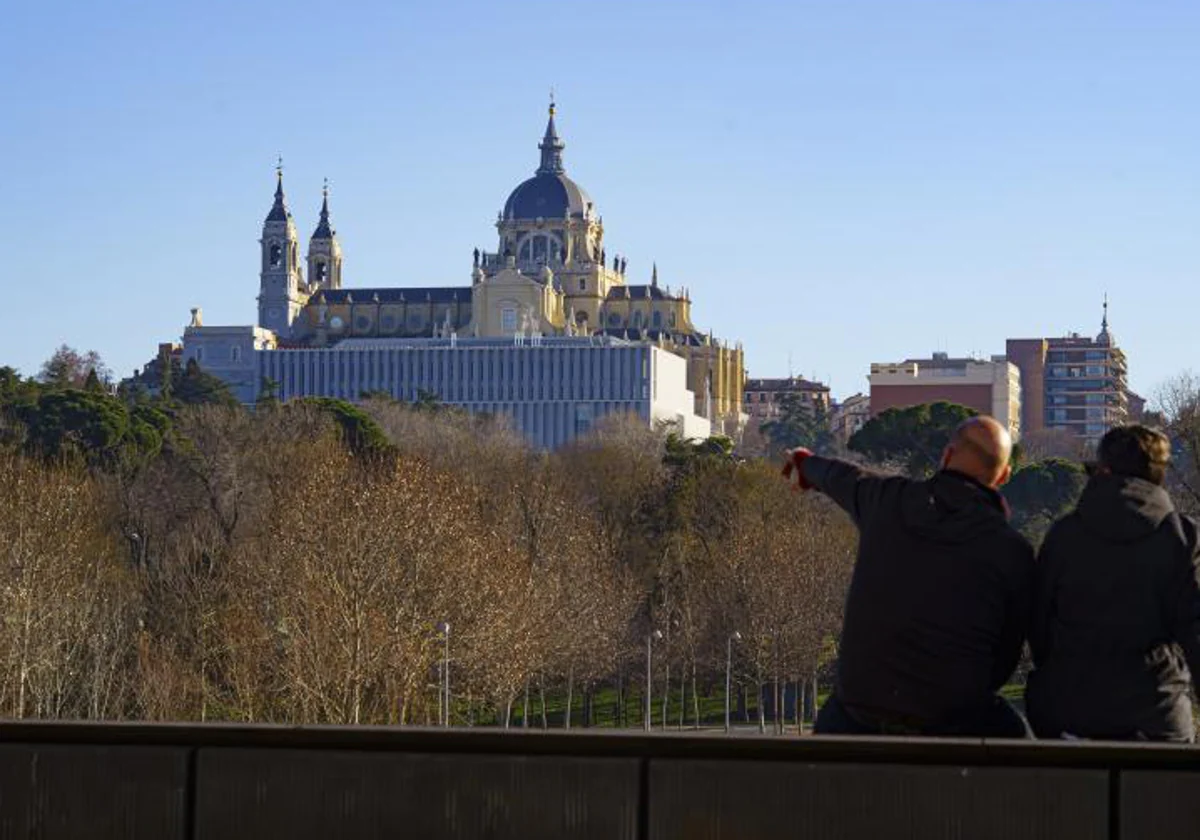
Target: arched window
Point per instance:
(322, 271)
(656, 320)
(541, 248)
(276, 255)
(637, 320)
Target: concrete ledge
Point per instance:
(53, 791)
(240, 781)
(253, 794)
(768, 800)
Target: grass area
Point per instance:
(606, 711)
(606, 714)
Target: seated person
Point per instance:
(1116, 622)
(939, 601)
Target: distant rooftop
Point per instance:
(793, 383)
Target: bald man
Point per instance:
(940, 599)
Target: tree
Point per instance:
(911, 437)
(68, 368)
(1041, 444)
(268, 394)
(359, 430)
(800, 423)
(1043, 491)
(1178, 400)
(79, 422)
(197, 387)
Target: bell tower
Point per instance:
(282, 291)
(324, 251)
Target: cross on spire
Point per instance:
(279, 211)
(324, 230)
(551, 147)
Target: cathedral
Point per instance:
(550, 277)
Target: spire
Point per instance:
(1105, 336)
(279, 211)
(324, 231)
(551, 147)
(654, 276)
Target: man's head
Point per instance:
(981, 448)
(1134, 451)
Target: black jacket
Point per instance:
(1116, 618)
(940, 598)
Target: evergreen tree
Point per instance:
(912, 437)
(196, 387)
(799, 424)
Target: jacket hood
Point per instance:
(953, 508)
(1123, 509)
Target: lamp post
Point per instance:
(735, 636)
(444, 628)
(650, 637)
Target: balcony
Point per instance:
(233, 782)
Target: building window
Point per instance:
(508, 319)
(235, 353)
(199, 354)
(657, 319)
(276, 258)
(614, 320)
(582, 284)
(322, 272)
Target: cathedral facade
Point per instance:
(550, 278)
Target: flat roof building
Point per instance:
(988, 386)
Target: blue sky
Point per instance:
(840, 182)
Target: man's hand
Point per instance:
(794, 465)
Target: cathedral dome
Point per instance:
(549, 194)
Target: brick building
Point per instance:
(988, 386)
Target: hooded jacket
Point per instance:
(1116, 617)
(940, 598)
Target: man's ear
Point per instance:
(1005, 475)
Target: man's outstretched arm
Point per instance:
(856, 490)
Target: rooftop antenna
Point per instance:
(790, 375)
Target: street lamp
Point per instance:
(444, 628)
(650, 638)
(735, 636)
